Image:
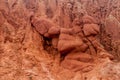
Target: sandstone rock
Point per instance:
(66, 37)
(105, 69)
(75, 65)
(2, 19)
(113, 27)
(42, 25)
(77, 29)
(53, 31)
(46, 35)
(91, 29)
(26, 25)
(88, 19)
(77, 21)
(64, 47)
(55, 42)
(82, 48)
(68, 42)
(105, 55)
(82, 57)
(67, 31)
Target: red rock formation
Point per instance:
(58, 40)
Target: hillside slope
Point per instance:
(59, 40)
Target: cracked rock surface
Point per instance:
(59, 40)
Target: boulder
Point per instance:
(42, 25)
(77, 29)
(67, 31)
(66, 37)
(68, 42)
(91, 29)
(54, 31)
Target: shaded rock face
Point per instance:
(59, 40)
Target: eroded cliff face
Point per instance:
(59, 39)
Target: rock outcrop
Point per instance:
(59, 40)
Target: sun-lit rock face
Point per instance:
(59, 40)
